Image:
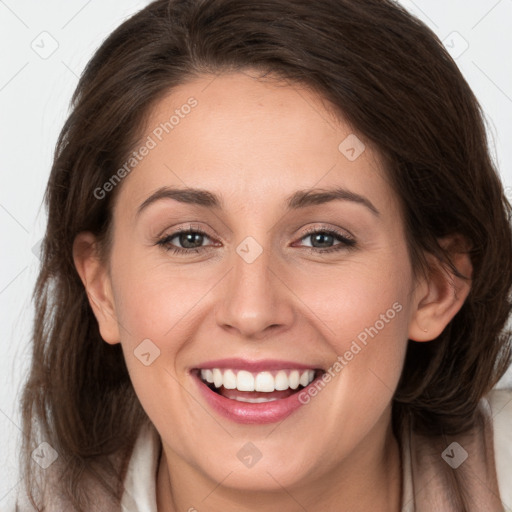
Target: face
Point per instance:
(285, 270)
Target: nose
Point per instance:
(255, 300)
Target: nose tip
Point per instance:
(251, 327)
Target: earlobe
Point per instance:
(440, 296)
(97, 284)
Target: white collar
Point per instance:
(140, 480)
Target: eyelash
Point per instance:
(346, 243)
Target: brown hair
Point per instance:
(390, 77)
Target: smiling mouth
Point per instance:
(257, 387)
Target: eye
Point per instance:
(192, 240)
(184, 241)
(327, 240)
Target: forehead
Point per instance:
(249, 140)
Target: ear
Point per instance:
(439, 297)
(97, 283)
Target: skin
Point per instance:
(254, 143)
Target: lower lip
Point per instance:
(244, 412)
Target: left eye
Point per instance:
(324, 240)
(321, 239)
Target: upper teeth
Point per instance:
(262, 381)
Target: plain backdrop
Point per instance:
(44, 47)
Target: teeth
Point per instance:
(207, 376)
(229, 380)
(264, 382)
(294, 379)
(281, 381)
(217, 378)
(267, 382)
(244, 381)
(304, 379)
(254, 400)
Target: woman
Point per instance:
(276, 272)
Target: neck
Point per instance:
(368, 479)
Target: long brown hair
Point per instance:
(390, 77)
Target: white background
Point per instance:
(34, 98)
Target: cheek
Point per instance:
(363, 312)
(361, 300)
(153, 300)
(159, 308)
(156, 310)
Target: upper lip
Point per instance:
(255, 366)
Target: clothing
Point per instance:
(422, 491)
(457, 473)
(431, 483)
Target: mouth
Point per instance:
(257, 387)
(255, 393)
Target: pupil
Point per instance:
(323, 239)
(187, 240)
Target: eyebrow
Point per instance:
(299, 199)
